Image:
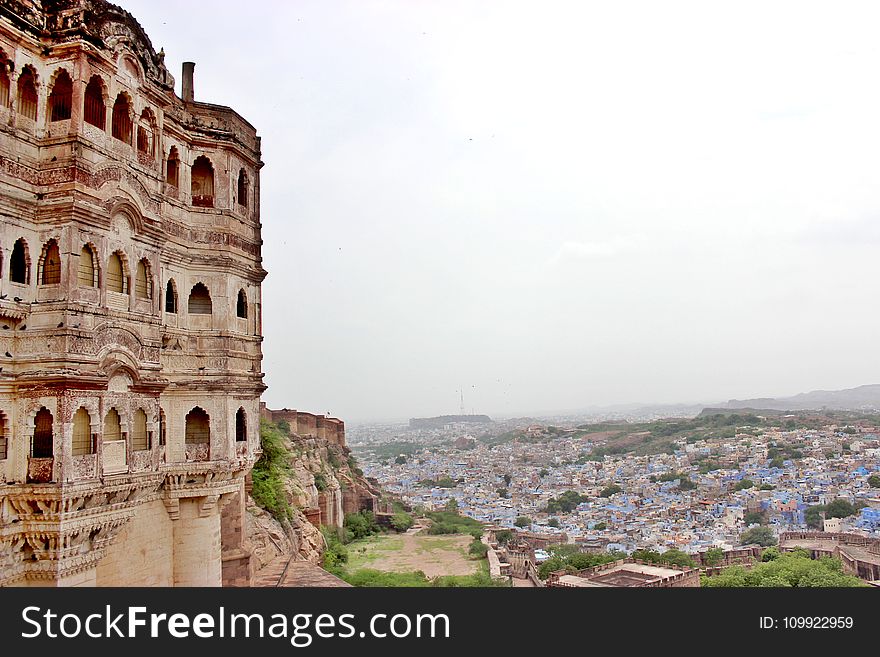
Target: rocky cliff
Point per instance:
(300, 483)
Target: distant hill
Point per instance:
(863, 398)
(441, 420)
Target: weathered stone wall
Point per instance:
(144, 553)
(74, 189)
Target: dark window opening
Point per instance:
(41, 445)
(170, 298)
(19, 266)
(61, 98)
(198, 427)
(240, 426)
(51, 274)
(95, 109)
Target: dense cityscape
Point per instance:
(701, 487)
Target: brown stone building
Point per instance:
(130, 337)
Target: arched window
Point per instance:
(4, 441)
(199, 300)
(61, 98)
(117, 281)
(145, 132)
(82, 433)
(203, 182)
(139, 439)
(171, 297)
(241, 305)
(4, 82)
(27, 93)
(198, 427)
(112, 426)
(242, 188)
(50, 265)
(19, 265)
(143, 282)
(172, 169)
(42, 444)
(95, 110)
(240, 426)
(87, 274)
(122, 118)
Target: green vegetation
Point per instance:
(270, 472)
(503, 493)
(335, 555)
(478, 549)
(376, 578)
(762, 536)
(543, 473)
(400, 460)
(686, 484)
(755, 518)
(713, 556)
(766, 487)
(787, 569)
(566, 502)
(444, 482)
(320, 481)
(874, 481)
(770, 553)
(608, 491)
(504, 536)
(600, 526)
(569, 558)
(839, 508)
(401, 521)
(744, 484)
(507, 479)
(673, 557)
(522, 522)
(553, 522)
(360, 525)
(450, 522)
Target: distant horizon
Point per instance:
(593, 410)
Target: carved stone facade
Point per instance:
(130, 334)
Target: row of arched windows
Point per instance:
(197, 431)
(140, 134)
(202, 180)
(49, 269)
(94, 106)
(116, 277)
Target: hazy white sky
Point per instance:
(553, 205)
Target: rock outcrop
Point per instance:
(321, 484)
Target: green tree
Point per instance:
(522, 521)
(503, 536)
(361, 524)
(543, 473)
(754, 518)
(553, 522)
(813, 516)
(762, 536)
(400, 460)
(507, 480)
(608, 491)
(787, 569)
(478, 549)
(770, 553)
(401, 521)
(744, 484)
(713, 556)
(840, 508)
(874, 481)
(503, 493)
(452, 504)
(600, 526)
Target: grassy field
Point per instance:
(403, 553)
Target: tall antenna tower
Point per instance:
(462, 402)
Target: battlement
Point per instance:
(308, 424)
